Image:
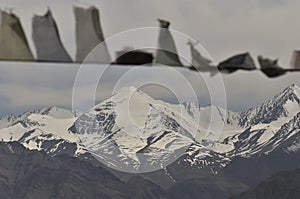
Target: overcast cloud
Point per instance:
(36, 85)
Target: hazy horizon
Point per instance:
(35, 85)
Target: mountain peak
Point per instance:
(131, 93)
(285, 104)
(293, 89)
(129, 89)
(58, 113)
(291, 93)
(294, 86)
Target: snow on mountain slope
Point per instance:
(219, 118)
(52, 144)
(35, 128)
(11, 119)
(58, 113)
(150, 132)
(55, 112)
(266, 122)
(12, 133)
(133, 132)
(275, 111)
(286, 137)
(55, 126)
(45, 123)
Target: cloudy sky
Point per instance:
(34, 85)
(224, 28)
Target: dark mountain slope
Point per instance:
(32, 174)
(283, 185)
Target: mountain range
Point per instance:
(170, 148)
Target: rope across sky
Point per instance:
(49, 47)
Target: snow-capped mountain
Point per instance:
(265, 123)
(44, 129)
(284, 105)
(133, 132)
